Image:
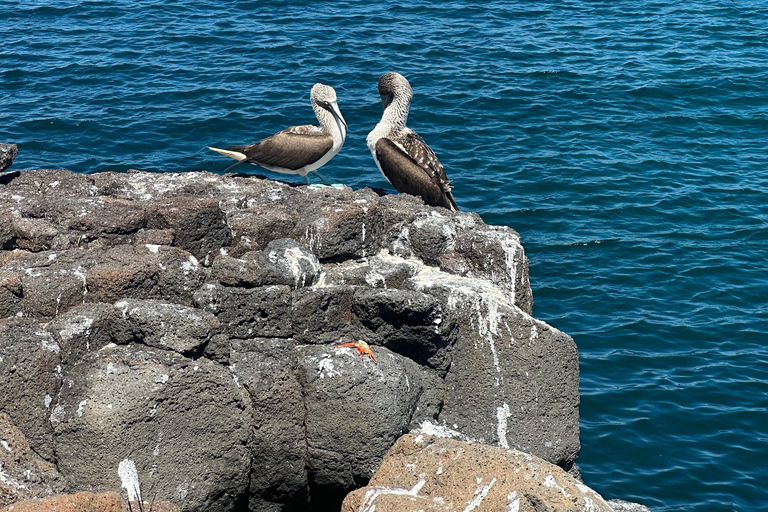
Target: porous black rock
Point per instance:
(8, 153)
(191, 323)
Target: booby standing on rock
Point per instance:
(299, 149)
(400, 154)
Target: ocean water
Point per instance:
(627, 142)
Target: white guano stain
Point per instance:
(182, 490)
(129, 479)
(58, 414)
(191, 265)
(514, 502)
(502, 414)
(551, 482)
(9, 481)
(480, 493)
(325, 368)
(374, 492)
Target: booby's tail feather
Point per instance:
(231, 154)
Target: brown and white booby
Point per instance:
(299, 149)
(400, 154)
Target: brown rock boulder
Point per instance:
(421, 472)
(80, 502)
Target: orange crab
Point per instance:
(362, 348)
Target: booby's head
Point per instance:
(394, 86)
(324, 97)
(396, 95)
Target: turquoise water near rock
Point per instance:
(626, 142)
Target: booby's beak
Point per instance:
(386, 99)
(333, 108)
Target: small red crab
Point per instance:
(362, 348)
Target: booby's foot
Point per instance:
(325, 180)
(362, 348)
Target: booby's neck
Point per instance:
(331, 125)
(396, 113)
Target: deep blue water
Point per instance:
(626, 141)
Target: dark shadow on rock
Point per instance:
(8, 177)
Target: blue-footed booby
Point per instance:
(401, 155)
(299, 149)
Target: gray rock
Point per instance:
(626, 506)
(355, 410)
(11, 298)
(163, 325)
(7, 154)
(405, 321)
(30, 378)
(248, 312)
(52, 282)
(379, 271)
(408, 322)
(145, 272)
(266, 367)
(336, 230)
(7, 231)
(513, 380)
(25, 474)
(237, 271)
(83, 329)
(296, 266)
(199, 225)
(254, 228)
(183, 423)
(283, 261)
(323, 314)
(34, 234)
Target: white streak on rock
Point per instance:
(10, 482)
(48, 343)
(376, 491)
(182, 490)
(551, 482)
(430, 429)
(129, 477)
(191, 265)
(514, 502)
(326, 368)
(81, 325)
(502, 413)
(480, 494)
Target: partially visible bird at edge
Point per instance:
(403, 157)
(299, 149)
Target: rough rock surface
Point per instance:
(7, 154)
(188, 323)
(423, 472)
(80, 502)
(627, 506)
(88, 502)
(23, 474)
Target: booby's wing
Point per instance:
(292, 148)
(412, 167)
